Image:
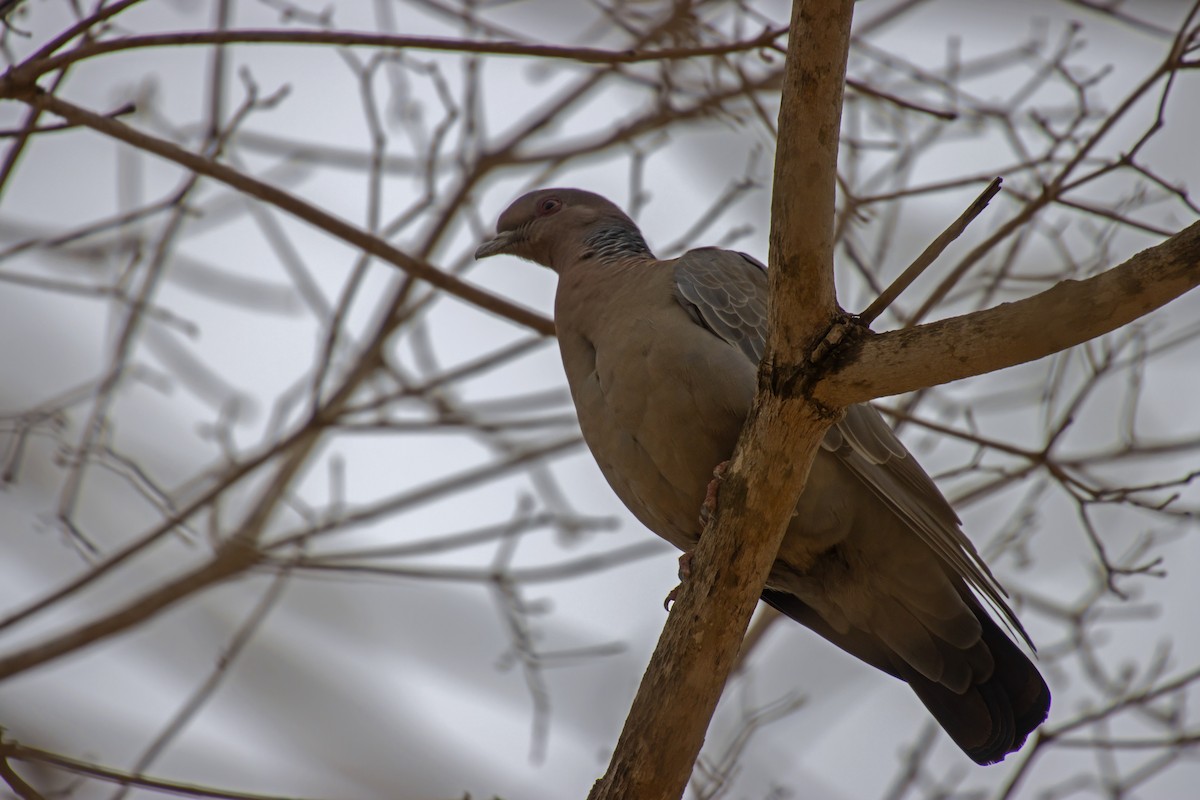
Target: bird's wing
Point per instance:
(726, 293)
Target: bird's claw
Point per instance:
(709, 506)
(685, 572)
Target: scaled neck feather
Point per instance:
(614, 242)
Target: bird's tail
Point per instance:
(991, 719)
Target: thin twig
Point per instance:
(586, 55)
(22, 752)
(206, 690)
(8, 133)
(294, 205)
(15, 782)
(930, 254)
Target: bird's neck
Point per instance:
(614, 243)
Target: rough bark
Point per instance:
(1063, 316)
(666, 725)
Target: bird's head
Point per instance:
(559, 227)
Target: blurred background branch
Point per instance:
(282, 521)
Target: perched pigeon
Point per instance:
(661, 357)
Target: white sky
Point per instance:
(374, 687)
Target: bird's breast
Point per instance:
(660, 402)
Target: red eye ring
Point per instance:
(547, 206)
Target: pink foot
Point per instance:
(685, 572)
(685, 565)
(709, 507)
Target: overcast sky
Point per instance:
(370, 686)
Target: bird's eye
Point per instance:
(548, 206)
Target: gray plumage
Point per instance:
(661, 358)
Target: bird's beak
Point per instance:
(501, 244)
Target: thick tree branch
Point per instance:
(1063, 316)
(698, 647)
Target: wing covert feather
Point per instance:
(726, 292)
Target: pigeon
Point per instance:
(662, 357)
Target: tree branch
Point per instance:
(1063, 316)
(698, 647)
(351, 234)
(584, 55)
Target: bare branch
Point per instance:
(294, 205)
(1070, 313)
(585, 55)
(699, 644)
(929, 255)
